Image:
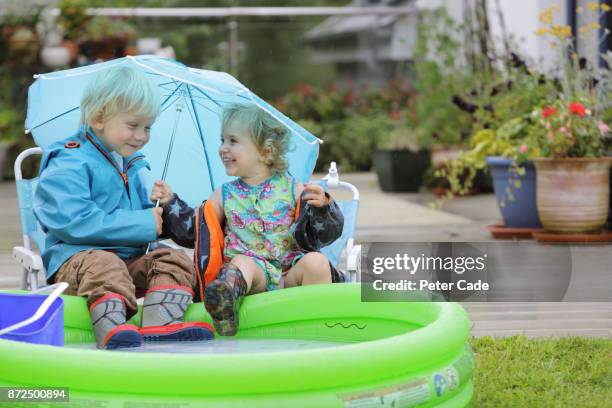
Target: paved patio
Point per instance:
(405, 217)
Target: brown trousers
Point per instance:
(94, 273)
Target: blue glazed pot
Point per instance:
(522, 211)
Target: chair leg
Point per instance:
(29, 279)
(34, 280)
(353, 263)
(24, 279)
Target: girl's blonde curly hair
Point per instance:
(269, 135)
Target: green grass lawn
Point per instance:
(523, 372)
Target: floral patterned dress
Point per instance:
(259, 224)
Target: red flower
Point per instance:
(577, 109)
(395, 115)
(548, 111)
(349, 99)
(307, 90)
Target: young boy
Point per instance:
(98, 219)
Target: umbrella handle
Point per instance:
(149, 244)
(179, 109)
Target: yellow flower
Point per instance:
(605, 8)
(542, 31)
(593, 6)
(583, 30)
(546, 16)
(561, 32)
(595, 26)
(579, 10)
(552, 45)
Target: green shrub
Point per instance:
(352, 123)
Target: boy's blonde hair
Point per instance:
(119, 90)
(265, 131)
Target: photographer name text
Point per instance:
(423, 284)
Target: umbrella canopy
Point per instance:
(192, 103)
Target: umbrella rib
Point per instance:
(217, 100)
(204, 106)
(173, 92)
(171, 146)
(142, 64)
(201, 134)
(207, 96)
(166, 87)
(240, 94)
(170, 104)
(53, 118)
(166, 83)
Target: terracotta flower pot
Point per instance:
(72, 47)
(573, 193)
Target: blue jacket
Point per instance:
(84, 201)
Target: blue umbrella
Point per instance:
(186, 136)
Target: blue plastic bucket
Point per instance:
(49, 329)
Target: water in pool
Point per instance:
(227, 346)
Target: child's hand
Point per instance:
(162, 192)
(314, 195)
(157, 214)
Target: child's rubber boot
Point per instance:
(163, 312)
(222, 299)
(108, 318)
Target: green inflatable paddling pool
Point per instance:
(343, 353)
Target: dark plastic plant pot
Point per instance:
(483, 182)
(401, 170)
(521, 212)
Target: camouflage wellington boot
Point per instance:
(108, 318)
(162, 316)
(222, 299)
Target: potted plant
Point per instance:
(573, 174)
(514, 179)
(400, 162)
(573, 184)
(72, 20)
(20, 40)
(499, 145)
(106, 38)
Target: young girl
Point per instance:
(273, 225)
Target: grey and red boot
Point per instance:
(163, 312)
(108, 316)
(222, 299)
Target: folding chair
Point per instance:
(343, 253)
(32, 231)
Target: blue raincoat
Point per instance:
(84, 200)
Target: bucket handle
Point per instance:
(58, 288)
